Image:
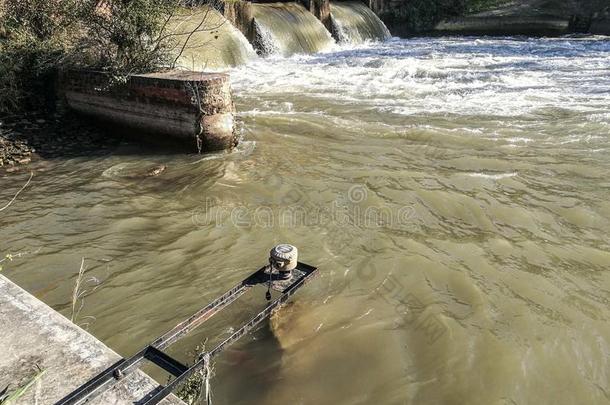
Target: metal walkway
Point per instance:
(154, 351)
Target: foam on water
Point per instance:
(489, 176)
(452, 76)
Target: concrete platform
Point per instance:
(189, 109)
(33, 334)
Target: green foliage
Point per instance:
(37, 37)
(421, 15)
(8, 257)
(196, 389)
(33, 37)
(6, 397)
(126, 36)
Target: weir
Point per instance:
(287, 29)
(214, 43)
(353, 22)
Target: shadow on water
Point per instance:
(71, 136)
(254, 365)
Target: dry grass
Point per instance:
(197, 389)
(6, 397)
(83, 286)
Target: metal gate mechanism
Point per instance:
(284, 274)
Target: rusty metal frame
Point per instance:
(154, 351)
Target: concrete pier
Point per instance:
(189, 108)
(33, 335)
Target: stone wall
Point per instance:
(188, 108)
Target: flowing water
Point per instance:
(204, 39)
(355, 23)
(288, 28)
(453, 192)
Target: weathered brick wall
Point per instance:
(191, 106)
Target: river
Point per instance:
(453, 192)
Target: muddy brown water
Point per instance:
(453, 192)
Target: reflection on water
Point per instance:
(454, 193)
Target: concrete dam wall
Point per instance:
(232, 33)
(309, 26)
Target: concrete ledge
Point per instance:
(188, 108)
(504, 25)
(34, 334)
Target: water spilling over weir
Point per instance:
(205, 39)
(214, 43)
(287, 29)
(354, 23)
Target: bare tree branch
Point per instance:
(18, 192)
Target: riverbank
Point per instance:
(32, 137)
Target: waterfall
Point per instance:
(264, 41)
(287, 29)
(215, 44)
(353, 22)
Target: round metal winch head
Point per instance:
(283, 258)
